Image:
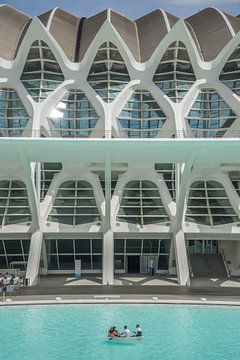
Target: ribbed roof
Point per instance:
(13, 25)
(151, 30)
(210, 28)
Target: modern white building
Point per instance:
(120, 144)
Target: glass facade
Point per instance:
(210, 116)
(108, 74)
(208, 204)
(235, 179)
(230, 74)
(62, 253)
(175, 75)
(158, 249)
(48, 170)
(75, 204)
(141, 204)
(12, 251)
(41, 74)
(13, 115)
(142, 117)
(74, 116)
(168, 173)
(14, 206)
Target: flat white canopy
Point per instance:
(121, 150)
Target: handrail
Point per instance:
(225, 263)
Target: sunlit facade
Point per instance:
(97, 122)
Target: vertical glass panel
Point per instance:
(13, 115)
(14, 206)
(41, 74)
(134, 246)
(74, 115)
(210, 116)
(168, 173)
(175, 75)
(141, 116)
(141, 204)
(108, 74)
(208, 204)
(150, 246)
(82, 246)
(48, 170)
(230, 74)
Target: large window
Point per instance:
(168, 173)
(75, 204)
(62, 253)
(74, 115)
(141, 204)
(175, 75)
(13, 251)
(141, 116)
(230, 74)
(14, 206)
(159, 248)
(108, 74)
(13, 116)
(208, 204)
(41, 74)
(48, 170)
(210, 116)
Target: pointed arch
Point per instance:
(42, 73)
(74, 115)
(230, 74)
(175, 74)
(210, 115)
(108, 74)
(142, 116)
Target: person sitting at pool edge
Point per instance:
(138, 331)
(126, 332)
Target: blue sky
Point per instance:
(131, 8)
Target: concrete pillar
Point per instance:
(108, 258)
(181, 258)
(34, 257)
(108, 238)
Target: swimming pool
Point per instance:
(79, 332)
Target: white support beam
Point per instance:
(181, 258)
(32, 194)
(34, 257)
(108, 238)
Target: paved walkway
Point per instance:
(130, 288)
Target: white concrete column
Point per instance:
(34, 257)
(181, 258)
(108, 238)
(108, 258)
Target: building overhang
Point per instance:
(121, 150)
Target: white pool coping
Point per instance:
(108, 300)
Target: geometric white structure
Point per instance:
(109, 125)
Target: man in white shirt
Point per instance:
(126, 332)
(138, 330)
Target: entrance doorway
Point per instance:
(133, 264)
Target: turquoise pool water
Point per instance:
(79, 332)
